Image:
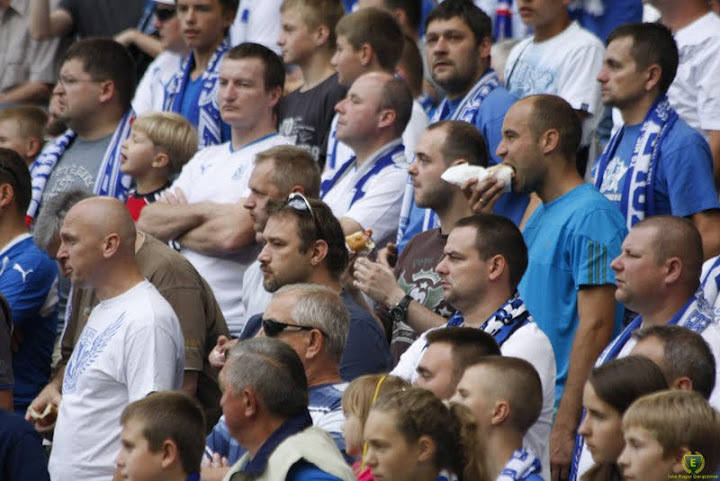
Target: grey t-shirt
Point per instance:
(77, 168)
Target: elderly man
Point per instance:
(265, 405)
(131, 345)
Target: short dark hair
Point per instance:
(324, 226)
(477, 20)
(170, 415)
(653, 43)
(379, 29)
(411, 62)
(497, 235)
(412, 9)
(468, 346)
(677, 237)
(621, 381)
(273, 370)
(397, 97)
(550, 112)
(274, 70)
(463, 141)
(229, 6)
(14, 171)
(106, 59)
(30, 119)
(292, 166)
(685, 353)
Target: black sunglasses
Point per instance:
(272, 327)
(164, 14)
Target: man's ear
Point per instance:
(315, 344)
(107, 91)
(321, 35)
(484, 47)
(497, 265)
(111, 243)
(426, 448)
(654, 74)
(683, 382)
(250, 403)
(7, 195)
(366, 54)
(387, 117)
(501, 412)
(318, 252)
(549, 141)
(275, 94)
(169, 453)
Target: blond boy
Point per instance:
(21, 130)
(670, 433)
(162, 438)
(160, 143)
(307, 40)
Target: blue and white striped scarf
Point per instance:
(710, 283)
(637, 200)
(109, 181)
(208, 109)
(521, 465)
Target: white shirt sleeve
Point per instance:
(579, 85)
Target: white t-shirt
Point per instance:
(257, 22)
(694, 92)
(379, 208)
(220, 174)
(131, 345)
(711, 334)
(566, 65)
(254, 296)
(711, 284)
(529, 343)
(417, 124)
(150, 92)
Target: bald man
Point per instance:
(132, 343)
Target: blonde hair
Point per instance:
(679, 419)
(316, 13)
(31, 120)
(172, 134)
(362, 392)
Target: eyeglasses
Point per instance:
(272, 328)
(298, 201)
(164, 14)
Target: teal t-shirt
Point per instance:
(571, 242)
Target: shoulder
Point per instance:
(582, 38)
(304, 471)
(681, 137)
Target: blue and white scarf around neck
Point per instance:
(521, 465)
(637, 199)
(208, 110)
(109, 181)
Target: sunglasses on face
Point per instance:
(164, 14)
(272, 327)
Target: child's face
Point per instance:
(10, 137)
(138, 152)
(602, 427)
(642, 459)
(203, 23)
(135, 461)
(347, 62)
(390, 456)
(296, 40)
(352, 433)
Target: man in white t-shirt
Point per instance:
(132, 344)
(484, 258)
(694, 93)
(257, 22)
(202, 213)
(561, 58)
(150, 92)
(366, 191)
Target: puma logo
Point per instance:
(24, 274)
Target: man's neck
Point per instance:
(320, 275)
(322, 371)
(367, 150)
(452, 212)
(101, 125)
(548, 31)
(501, 444)
(118, 279)
(202, 58)
(683, 14)
(462, 93)
(667, 307)
(559, 180)
(262, 429)
(485, 306)
(11, 226)
(316, 69)
(243, 136)
(636, 113)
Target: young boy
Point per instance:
(160, 143)
(504, 395)
(21, 130)
(669, 433)
(192, 91)
(307, 39)
(162, 439)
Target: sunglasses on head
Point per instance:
(299, 202)
(272, 327)
(163, 14)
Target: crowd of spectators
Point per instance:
(321, 240)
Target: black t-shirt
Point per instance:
(305, 117)
(102, 18)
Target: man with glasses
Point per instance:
(150, 92)
(202, 212)
(313, 320)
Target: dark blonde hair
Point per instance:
(316, 13)
(358, 396)
(458, 449)
(377, 28)
(31, 120)
(170, 133)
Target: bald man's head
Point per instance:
(96, 232)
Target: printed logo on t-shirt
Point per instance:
(528, 79)
(611, 185)
(424, 287)
(90, 345)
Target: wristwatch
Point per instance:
(398, 313)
